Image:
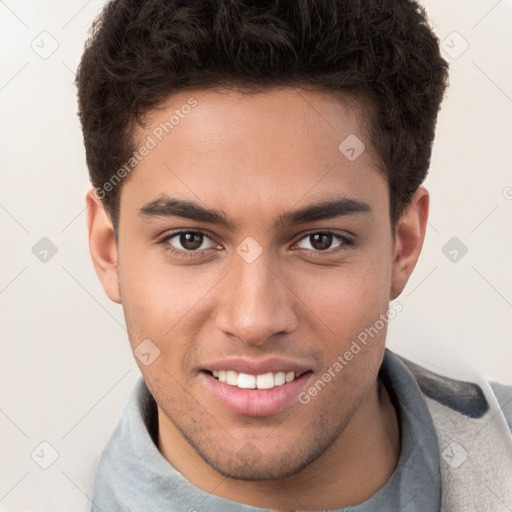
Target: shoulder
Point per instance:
(464, 396)
(503, 394)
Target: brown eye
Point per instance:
(191, 241)
(187, 242)
(322, 241)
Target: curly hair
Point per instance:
(382, 52)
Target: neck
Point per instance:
(351, 470)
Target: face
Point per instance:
(249, 243)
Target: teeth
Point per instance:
(231, 378)
(265, 381)
(246, 381)
(279, 378)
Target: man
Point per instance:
(256, 207)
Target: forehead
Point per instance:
(260, 151)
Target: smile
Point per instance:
(267, 380)
(257, 395)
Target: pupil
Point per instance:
(325, 241)
(187, 240)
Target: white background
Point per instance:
(66, 367)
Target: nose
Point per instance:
(256, 303)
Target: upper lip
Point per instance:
(257, 367)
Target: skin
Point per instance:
(254, 157)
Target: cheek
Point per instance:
(345, 301)
(348, 309)
(152, 289)
(160, 300)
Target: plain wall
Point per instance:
(66, 366)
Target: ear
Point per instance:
(410, 234)
(102, 245)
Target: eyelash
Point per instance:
(347, 242)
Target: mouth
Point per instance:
(267, 380)
(255, 393)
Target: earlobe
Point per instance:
(410, 234)
(102, 245)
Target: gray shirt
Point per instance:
(132, 475)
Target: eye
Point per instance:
(186, 243)
(190, 244)
(321, 241)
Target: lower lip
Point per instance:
(256, 402)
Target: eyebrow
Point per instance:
(166, 206)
